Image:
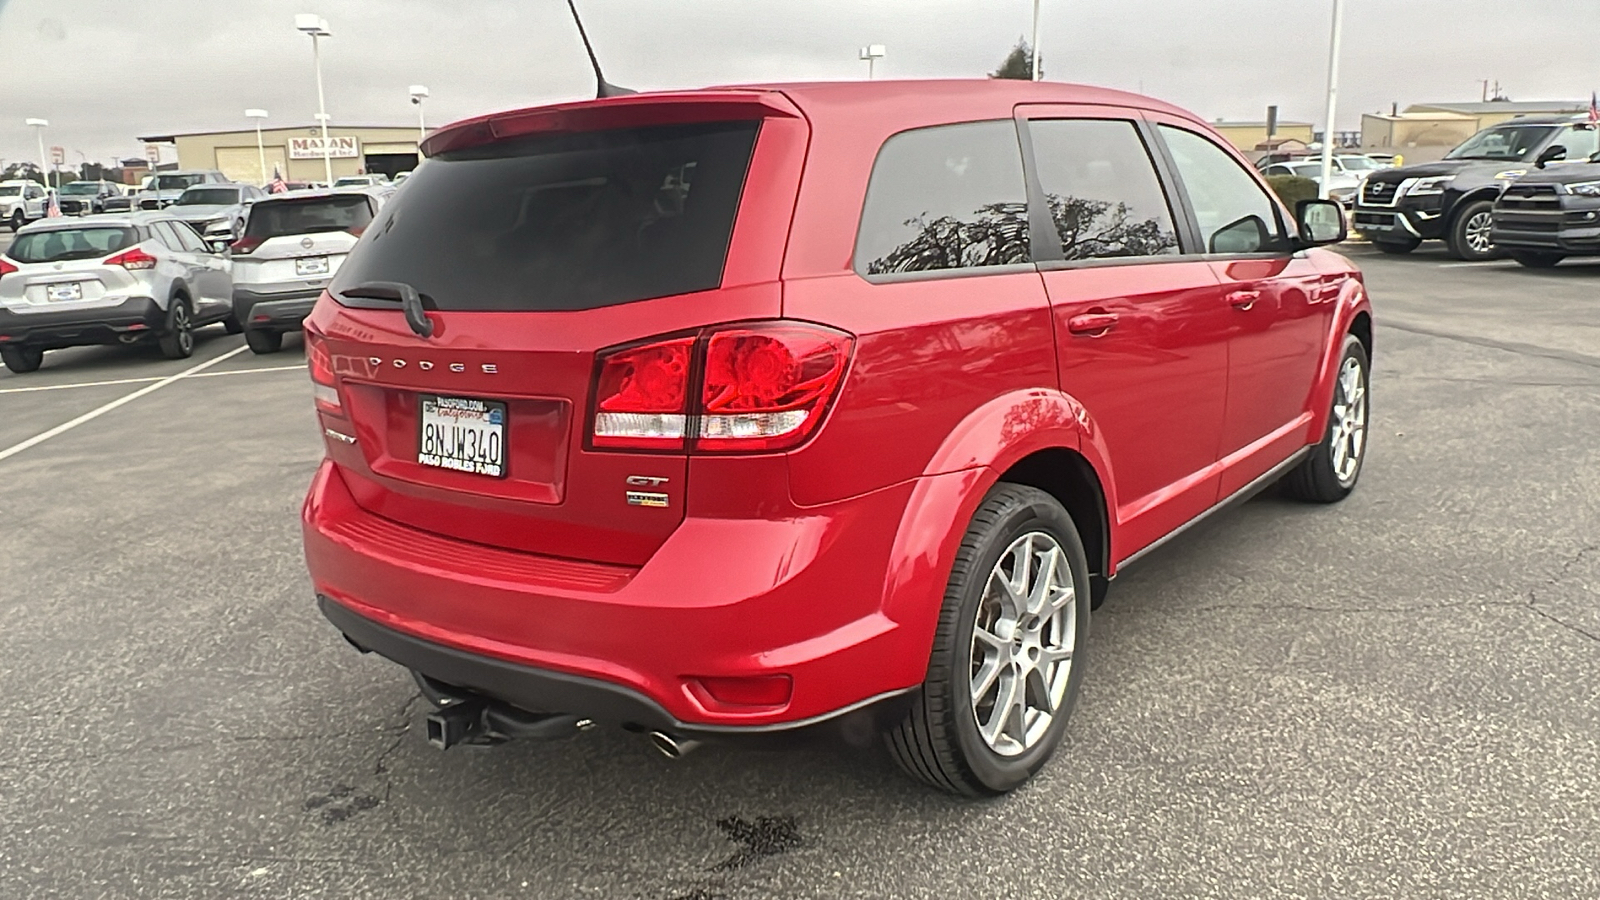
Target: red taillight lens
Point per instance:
(642, 396)
(762, 387)
(357, 230)
(767, 386)
(6, 268)
(133, 259)
(245, 245)
(324, 387)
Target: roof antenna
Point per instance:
(604, 88)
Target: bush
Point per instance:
(1291, 189)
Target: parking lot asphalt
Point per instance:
(1395, 697)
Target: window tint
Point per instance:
(188, 237)
(64, 244)
(10, 191)
(1102, 189)
(177, 182)
(1234, 213)
(567, 221)
(950, 197)
(274, 218)
(163, 232)
(208, 196)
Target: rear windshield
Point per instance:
(209, 197)
(177, 182)
(64, 244)
(563, 222)
(275, 218)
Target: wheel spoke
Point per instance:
(991, 640)
(986, 677)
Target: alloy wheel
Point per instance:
(1022, 642)
(1477, 232)
(1349, 422)
(183, 328)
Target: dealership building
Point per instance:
(295, 152)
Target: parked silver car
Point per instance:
(291, 247)
(164, 188)
(216, 210)
(113, 279)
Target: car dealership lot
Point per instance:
(1391, 697)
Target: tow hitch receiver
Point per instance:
(476, 720)
(458, 723)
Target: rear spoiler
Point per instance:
(633, 110)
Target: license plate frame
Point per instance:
(485, 442)
(64, 292)
(310, 265)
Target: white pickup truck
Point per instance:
(21, 202)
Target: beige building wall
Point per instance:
(1246, 135)
(234, 152)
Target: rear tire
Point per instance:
(22, 360)
(263, 342)
(1016, 611)
(177, 342)
(1469, 232)
(1397, 248)
(1329, 474)
(1537, 259)
(17, 221)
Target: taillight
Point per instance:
(761, 387)
(642, 396)
(133, 259)
(356, 230)
(324, 388)
(6, 268)
(246, 245)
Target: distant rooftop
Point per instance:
(170, 137)
(1230, 123)
(1514, 107)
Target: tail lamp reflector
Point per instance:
(324, 388)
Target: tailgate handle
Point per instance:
(410, 301)
(1092, 324)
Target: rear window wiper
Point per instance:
(394, 292)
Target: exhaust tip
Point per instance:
(671, 746)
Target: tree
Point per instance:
(1018, 64)
(21, 170)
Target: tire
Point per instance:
(17, 221)
(1329, 475)
(177, 341)
(1398, 248)
(942, 740)
(262, 342)
(1537, 259)
(1469, 232)
(232, 325)
(22, 360)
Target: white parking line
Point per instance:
(84, 384)
(99, 411)
(1464, 265)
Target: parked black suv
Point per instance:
(1549, 215)
(1453, 199)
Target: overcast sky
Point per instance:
(105, 72)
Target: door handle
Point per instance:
(1092, 324)
(1243, 300)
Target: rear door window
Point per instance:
(1102, 189)
(947, 197)
(1234, 213)
(66, 244)
(564, 222)
(168, 235)
(276, 218)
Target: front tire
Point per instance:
(1329, 474)
(1537, 259)
(1469, 233)
(1397, 248)
(17, 221)
(178, 340)
(22, 360)
(263, 342)
(1008, 651)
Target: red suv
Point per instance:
(738, 410)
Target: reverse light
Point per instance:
(749, 388)
(132, 259)
(319, 362)
(1582, 189)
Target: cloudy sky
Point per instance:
(104, 72)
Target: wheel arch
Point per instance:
(1489, 193)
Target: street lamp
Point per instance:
(872, 53)
(1035, 45)
(1333, 99)
(317, 27)
(38, 126)
(419, 93)
(261, 150)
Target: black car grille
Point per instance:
(1379, 193)
(1542, 197)
(149, 204)
(72, 207)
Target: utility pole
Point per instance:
(1333, 98)
(1034, 47)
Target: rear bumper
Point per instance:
(73, 328)
(802, 597)
(274, 312)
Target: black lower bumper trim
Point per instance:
(274, 312)
(72, 328)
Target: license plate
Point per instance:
(311, 265)
(59, 293)
(464, 434)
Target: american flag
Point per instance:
(52, 209)
(277, 186)
(1594, 108)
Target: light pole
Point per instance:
(1333, 98)
(317, 27)
(419, 93)
(1034, 54)
(261, 149)
(38, 126)
(872, 53)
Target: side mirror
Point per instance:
(1321, 222)
(1550, 154)
(218, 245)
